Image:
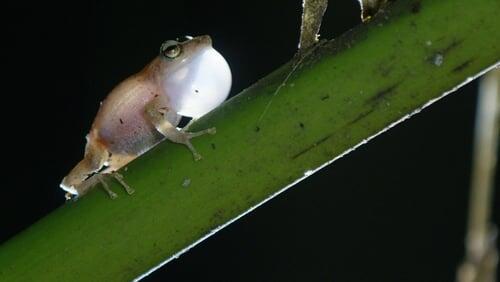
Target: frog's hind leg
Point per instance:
(165, 121)
(105, 186)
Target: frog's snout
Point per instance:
(67, 187)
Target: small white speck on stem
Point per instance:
(186, 182)
(438, 59)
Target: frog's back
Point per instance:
(121, 124)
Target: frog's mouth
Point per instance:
(201, 84)
(68, 188)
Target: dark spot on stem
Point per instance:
(301, 125)
(196, 91)
(454, 44)
(311, 146)
(416, 6)
(121, 121)
(257, 129)
(213, 146)
(383, 93)
(385, 70)
(361, 116)
(326, 97)
(462, 66)
(218, 216)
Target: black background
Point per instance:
(393, 210)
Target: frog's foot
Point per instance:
(118, 177)
(68, 196)
(105, 186)
(121, 180)
(185, 138)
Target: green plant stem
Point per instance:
(345, 92)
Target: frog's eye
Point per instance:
(171, 49)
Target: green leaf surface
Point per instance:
(345, 92)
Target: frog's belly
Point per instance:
(121, 122)
(130, 134)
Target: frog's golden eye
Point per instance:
(171, 49)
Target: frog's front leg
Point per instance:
(163, 118)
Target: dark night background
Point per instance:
(393, 210)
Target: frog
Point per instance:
(188, 78)
(371, 7)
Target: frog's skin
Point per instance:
(370, 7)
(187, 78)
